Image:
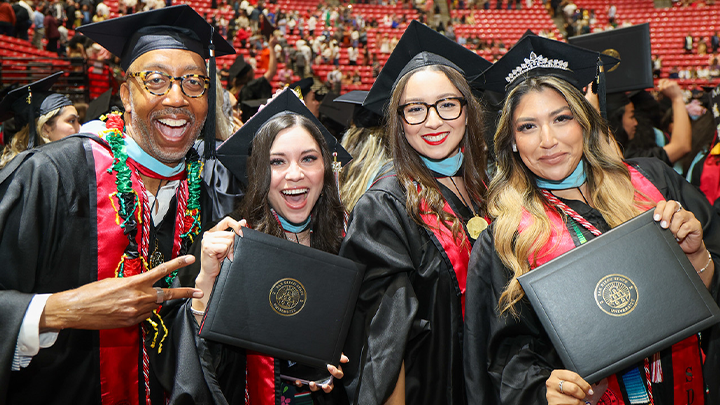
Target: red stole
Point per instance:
(685, 354)
(710, 178)
(457, 250)
(260, 381)
(120, 350)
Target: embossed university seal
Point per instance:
(616, 295)
(287, 297)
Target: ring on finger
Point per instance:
(561, 386)
(160, 295)
(679, 207)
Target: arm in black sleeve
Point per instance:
(378, 237)
(508, 359)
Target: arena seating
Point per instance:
(668, 28)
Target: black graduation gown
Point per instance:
(508, 360)
(223, 189)
(48, 243)
(409, 307)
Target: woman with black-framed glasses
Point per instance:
(414, 228)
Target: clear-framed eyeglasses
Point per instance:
(416, 113)
(159, 83)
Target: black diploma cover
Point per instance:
(619, 298)
(283, 299)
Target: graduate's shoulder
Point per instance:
(64, 158)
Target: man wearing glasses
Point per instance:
(92, 228)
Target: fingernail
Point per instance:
(656, 217)
(663, 224)
(591, 392)
(197, 294)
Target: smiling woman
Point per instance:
(291, 186)
(291, 194)
(415, 226)
(561, 182)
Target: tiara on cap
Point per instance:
(535, 62)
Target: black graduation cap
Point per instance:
(305, 85)
(234, 152)
(361, 117)
(632, 46)
(99, 106)
(339, 112)
(617, 100)
(250, 107)
(266, 27)
(538, 56)
(175, 27)
(528, 32)
(421, 46)
(31, 101)
(238, 68)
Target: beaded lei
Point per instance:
(131, 212)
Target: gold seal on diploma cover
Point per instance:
(287, 297)
(616, 295)
(476, 225)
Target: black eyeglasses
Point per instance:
(417, 112)
(159, 83)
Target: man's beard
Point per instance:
(145, 135)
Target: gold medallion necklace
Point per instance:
(476, 224)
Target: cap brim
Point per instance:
(234, 152)
(337, 111)
(419, 38)
(113, 34)
(41, 86)
(353, 97)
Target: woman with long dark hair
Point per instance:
(415, 226)
(283, 155)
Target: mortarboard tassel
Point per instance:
(212, 102)
(31, 115)
(600, 90)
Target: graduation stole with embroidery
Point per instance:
(120, 349)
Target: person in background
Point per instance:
(52, 34)
(366, 141)
(48, 118)
(7, 19)
(23, 12)
(39, 22)
(242, 82)
(647, 141)
(688, 44)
